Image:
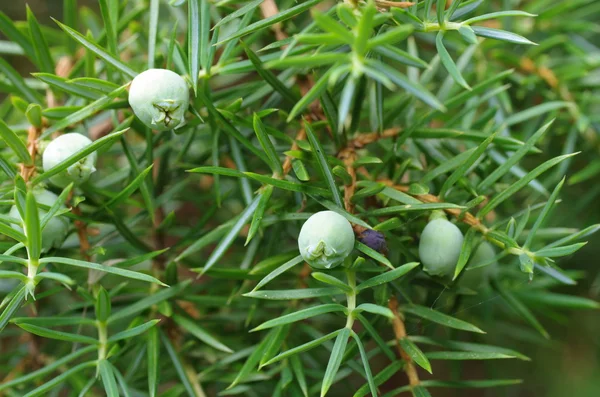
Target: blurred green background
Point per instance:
(566, 365)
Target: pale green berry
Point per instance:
(159, 98)
(325, 240)
(61, 149)
(481, 268)
(56, 229)
(439, 247)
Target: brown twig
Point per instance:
(27, 171)
(465, 217)
(528, 66)
(82, 234)
(313, 113)
(364, 139)
(63, 69)
(102, 129)
(400, 332)
(396, 4)
(269, 9)
(287, 163)
(348, 156)
(81, 228)
(34, 357)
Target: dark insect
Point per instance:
(373, 239)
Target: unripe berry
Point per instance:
(64, 147)
(475, 275)
(439, 247)
(56, 230)
(159, 98)
(325, 240)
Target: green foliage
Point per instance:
(380, 114)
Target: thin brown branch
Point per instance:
(400, 332)
(82, 232)
(396, 4)
(34, 357)
(465, 217)
(63, 69)
(27, 171)
(102, 129)
(269, 9)
(349, 156)
(84, 243)
(528, 66)
(362, 140)
(287, 163)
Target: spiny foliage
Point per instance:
(181, 275)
